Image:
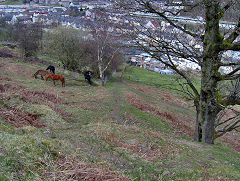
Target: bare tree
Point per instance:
(28, 37)
(205, 48)
(106, 44)
(6, 30)
(106, 51)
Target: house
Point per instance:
(58, 9)
(96, 4)
(24, 19)
(53, 2)
(75, 4)
(166, 72)
(21, 19)
(65, 3)
(153, 24)
(47, 1)
(7, 18)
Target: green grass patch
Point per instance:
(50, 59)
(164, 82)
(146, 119)
(11, 2)
(49, 116)
(6, 127)
(24, 156)
(80, 116)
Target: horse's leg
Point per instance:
(63, 82)
(54, 82)
(42, 77)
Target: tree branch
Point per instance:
(113, 54)
(161, 14)
(226, 7)
(233, 98)
(231, 75)
(234, 34)
(229, 64)
(233, 72)
(228, 128)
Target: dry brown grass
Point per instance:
(148, 152)
(19, 119)
(165, 96)
(71, 169)
(178, 124)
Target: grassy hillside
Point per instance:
(135, 129)
(11, 2)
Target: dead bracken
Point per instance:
(70, 169)
(176, 123)
(19, 119)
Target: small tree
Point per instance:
(65, 45)
(28, 37)
(105, 51)
(5, 30)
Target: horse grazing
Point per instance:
(42, 73)
(51, 68)
(56, 77)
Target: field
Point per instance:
(137, 128)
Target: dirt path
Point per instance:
(117, 105)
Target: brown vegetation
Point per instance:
(71, 169)
(19, 119)
(148, 152)
(172, 119)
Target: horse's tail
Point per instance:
(35, 75)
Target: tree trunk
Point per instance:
(101, 74)
(208, 103)
(198, 126)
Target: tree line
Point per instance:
(97, 51)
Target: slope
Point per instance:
(127, 130)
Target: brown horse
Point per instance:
(56, 77)
(42, 73)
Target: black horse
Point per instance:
(51, 68)
(87, 76)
